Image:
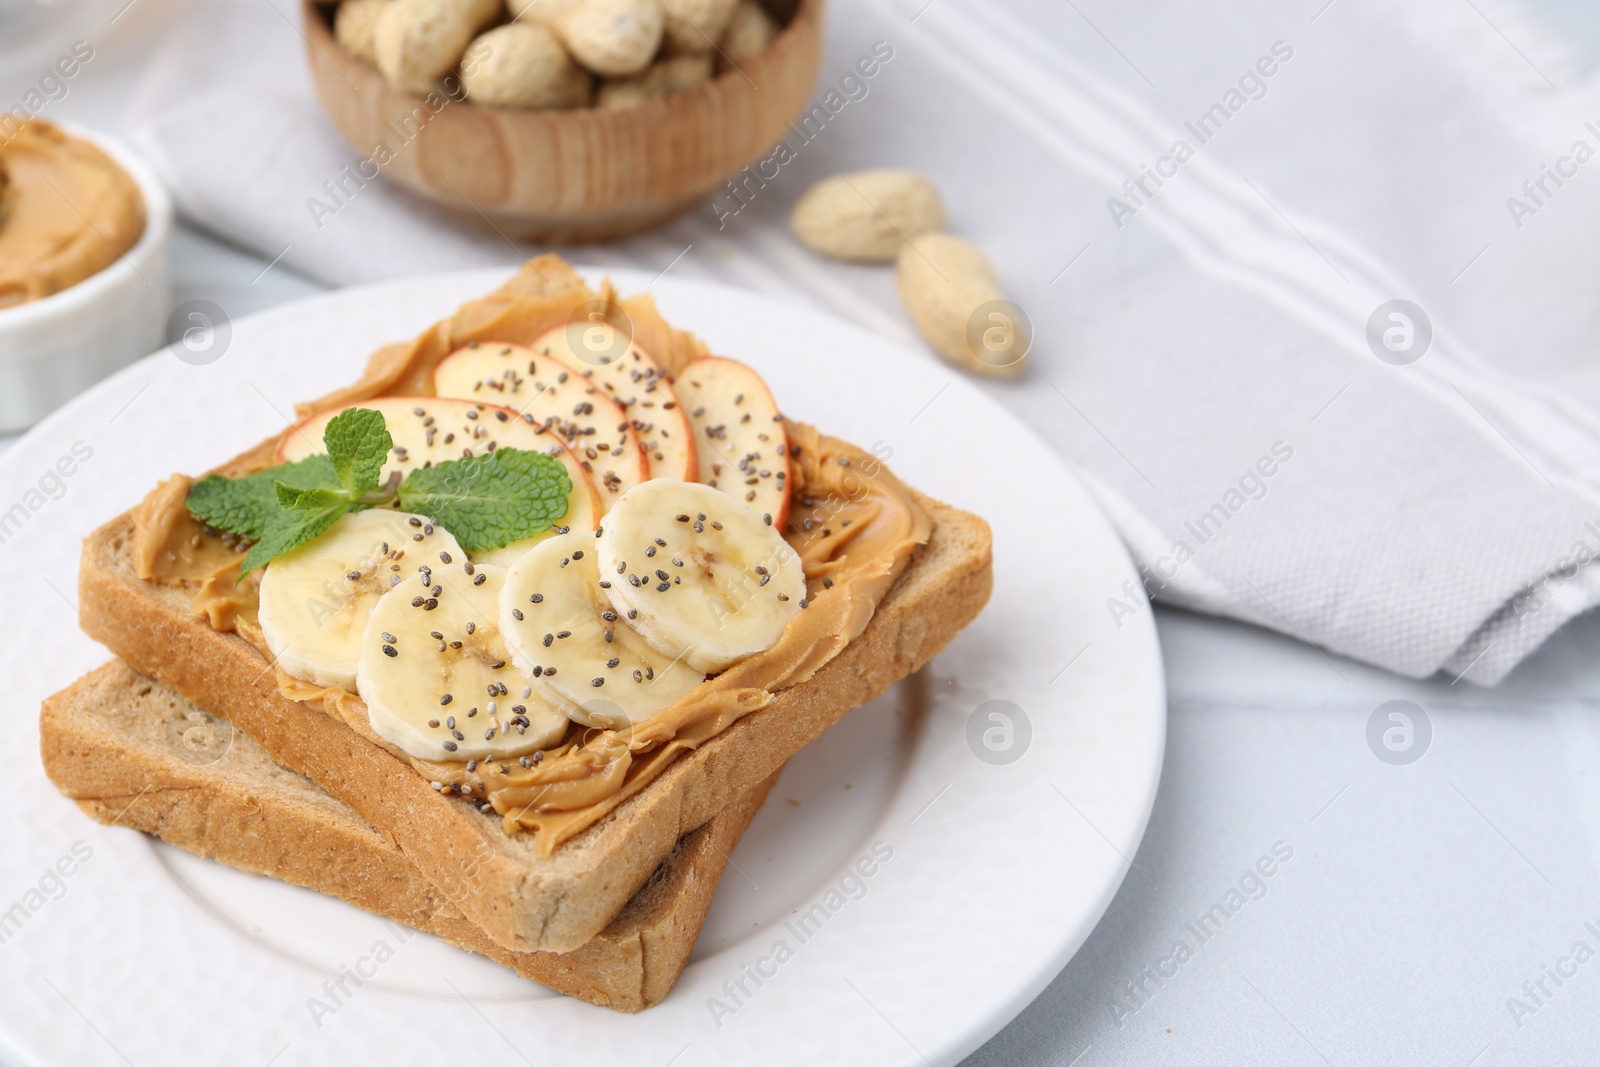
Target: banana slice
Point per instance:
(740, 438)
(315, 601)
(582, 654)
(699, 573)
(555, 395)
(632, 378)
(436, 676)
(429, 429)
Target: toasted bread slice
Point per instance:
(134, 753)
(522, 900)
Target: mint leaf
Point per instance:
(248, 506)
(358, 443)
(289, 531)
(490, 500)
(312, 499)
(485, 501)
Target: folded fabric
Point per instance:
(1312, 293)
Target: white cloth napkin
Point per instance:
(1201, 312)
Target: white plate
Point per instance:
(997, 872)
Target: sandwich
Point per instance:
(547, 589)
(132, 753)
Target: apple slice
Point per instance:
(429, 429)
(632, 378)
(555, 395)
(742, 446)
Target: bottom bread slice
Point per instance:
(134, 753)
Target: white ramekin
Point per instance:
(53, 349)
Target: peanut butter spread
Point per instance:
(66, 212)
(852, 522)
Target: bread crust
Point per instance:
(521, 900)
(115, 742)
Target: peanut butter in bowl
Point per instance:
(67, 211)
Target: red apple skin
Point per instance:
(556, 401)
(554, 343)
(759, 399)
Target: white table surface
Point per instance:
(1417, 898)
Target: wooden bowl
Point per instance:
(569, 176)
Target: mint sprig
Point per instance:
(248, 505)
(358, 444)
(485, 501)
(492, 499)
(291, 530)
